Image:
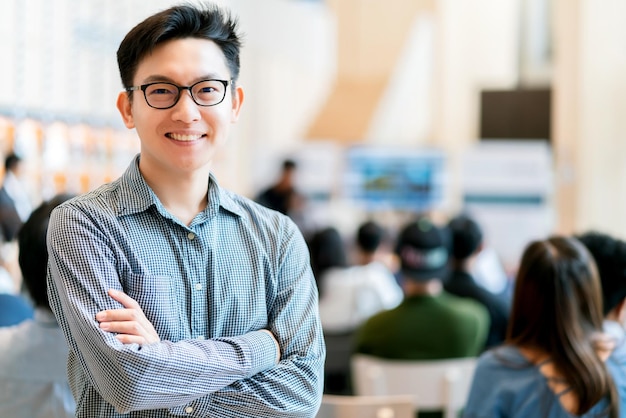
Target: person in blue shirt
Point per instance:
(554, 360)
(33, 377)
(14, 309)
(178, 297)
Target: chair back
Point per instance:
(337, 380)
(339, 406)
(433, 384)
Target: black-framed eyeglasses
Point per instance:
(163, 95)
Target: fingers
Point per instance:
(131, 339)
(123, 298)
(123, 327)
(119, 315)
(127, 332)
(132, 312)
(129, 328)
(130, 323)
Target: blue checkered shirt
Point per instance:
(208, 289)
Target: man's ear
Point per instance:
(237, 102)
(479, 248)
(125, 109)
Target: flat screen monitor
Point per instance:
(406, 179)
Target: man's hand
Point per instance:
(130, 323)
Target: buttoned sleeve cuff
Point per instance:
(264, 350)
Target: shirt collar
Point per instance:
(136, 196)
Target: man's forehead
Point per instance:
(188, 58)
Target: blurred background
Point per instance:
(512, 110)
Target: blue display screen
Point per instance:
(403, 179)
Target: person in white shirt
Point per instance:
(33, 354)
(350, 295)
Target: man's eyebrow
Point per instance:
(157, 77)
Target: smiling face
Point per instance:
(181, 140)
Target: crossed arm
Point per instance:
(131, 324)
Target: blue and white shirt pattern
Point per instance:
(208, 288)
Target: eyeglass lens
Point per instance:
(204, 93)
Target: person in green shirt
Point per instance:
(429, 323)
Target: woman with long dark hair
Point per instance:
(552, 363)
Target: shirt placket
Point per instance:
(196, 280)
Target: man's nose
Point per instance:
(186, 109)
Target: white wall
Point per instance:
(602, 164)
(288, 65)
(60, 57)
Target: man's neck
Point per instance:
(364, 258)
(183, 195)
(464, 265)
(432, 287)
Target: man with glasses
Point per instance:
(177, 297)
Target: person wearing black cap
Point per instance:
(429, 323)
(467, 243)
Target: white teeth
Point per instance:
(185, 138)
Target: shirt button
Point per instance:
(198, 286)
(191, 235)
(189, 410)
(200, 337)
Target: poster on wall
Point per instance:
(507, 186)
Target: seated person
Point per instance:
(467, 243)
(14, 309)
(348, 296)
(352, 294)
(279, 196)
(553, 362)
(610, 256)
(327, 251)
(33, 376)
(429, 323)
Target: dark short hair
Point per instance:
(466, 236)
(11, 161)
(289, 165)
(179, 22)
(32, 250)
(610, 256)
(369, 236)
(327, 250)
